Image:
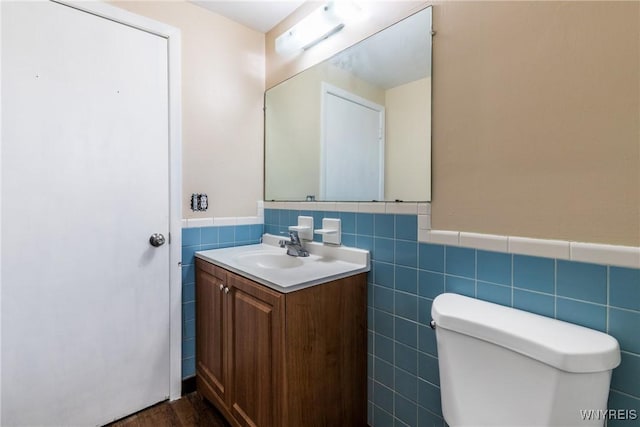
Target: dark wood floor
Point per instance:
(190, 410)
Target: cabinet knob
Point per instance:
(221, 286)
(226, 290)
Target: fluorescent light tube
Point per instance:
(317, 26)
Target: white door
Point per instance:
(85, 182)
(352, 148)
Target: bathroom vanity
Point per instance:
(271, 355)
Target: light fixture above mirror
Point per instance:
(317, 26)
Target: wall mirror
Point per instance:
(356, 127)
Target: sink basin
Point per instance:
(268, 260)
(267, 263)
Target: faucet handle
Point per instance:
(304, 228)
(295, 238)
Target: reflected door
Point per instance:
(352, 149)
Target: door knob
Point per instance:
(156, 240)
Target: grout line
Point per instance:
(555, 289)
(630, 310)
(630, 353)
(606, 320)
(576, 300)
(475, 274)
(513, 279)
(626, 394)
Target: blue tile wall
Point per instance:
(404, 383)
(199, 239)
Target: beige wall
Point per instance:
(536, 115)
(407, 148)
(293, 124)
(223, 71)
(536, 119)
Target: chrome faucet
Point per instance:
(294, 246)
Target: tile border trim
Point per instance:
(215, 221)
(221, 221)
(616, 255)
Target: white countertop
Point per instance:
(324, 264)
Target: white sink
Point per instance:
(267, 259)
(270, 265)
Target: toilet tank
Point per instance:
(500, 366)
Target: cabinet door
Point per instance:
(255, 346)
(210, 325)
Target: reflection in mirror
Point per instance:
(356, 127)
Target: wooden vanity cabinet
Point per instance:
(210, 320)
(239, 328)
(270, 359)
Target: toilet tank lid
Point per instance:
(563, 345)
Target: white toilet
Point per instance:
(505, 367)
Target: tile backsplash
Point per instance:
(406, 275)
